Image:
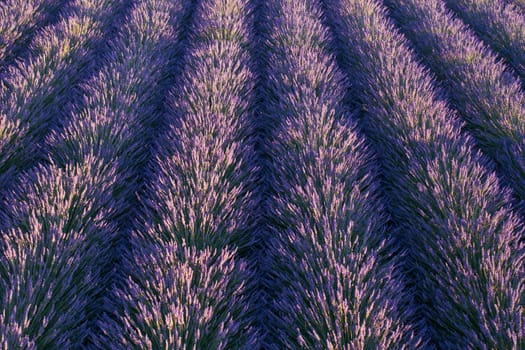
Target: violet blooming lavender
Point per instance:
(57, 267)
(464, 255)
(50, 257)
(520, 4)
(189, 275)
(487, 97)
(19, 19)
(500, 25)
(36, 95)
(333, 280)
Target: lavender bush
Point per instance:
(252, 174)
(36, 95)
(500, 25)
(453, 216)
(189, 276)
(518, 3)
(19, 19)
(66, 217)
(50, 257)
(334, 287)
(486, 96)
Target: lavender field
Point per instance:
(262, 174)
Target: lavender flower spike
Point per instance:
(332, 286)
(501, 26)
(189, 276)
(518, 3)
(19, 19)
(464, 257)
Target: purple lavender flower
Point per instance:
(50, 257)
(36, 95)
(332, 287)
(185, 298)
(188, 276)
(464, 255)
(247, 174)
(486, 96)
(520, 4)
(500, 25)
(19, 19)
(68, 222)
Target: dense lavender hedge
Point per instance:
(50, 258)
(247, 174)
(518, 3)
(487, 97)
(72, 208)
(189, 276)
(19, 19)
(333, 285)
(38, 94)
(452, 213)
(500, 25)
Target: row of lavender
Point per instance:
(482, 90)
(64, 218)
(333, 268)
(46, 271)
(138, 227)
(36, 94)
(448, 208)
(190, 281)
(500, 25)
(20, 20)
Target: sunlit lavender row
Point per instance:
(65, 229)
(19, 19)
(500, 25)
(450, 211)
(189, 273)
(51, 218)
(484, 91)
(332, 271)
(262, 174)
(38, 94)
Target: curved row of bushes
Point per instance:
(487, 97)
(189, 276)
(57, 259)
(332, 276)
(19, 20)
(245, 174)
(452, 214)
(500, 25)
(38, 95)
